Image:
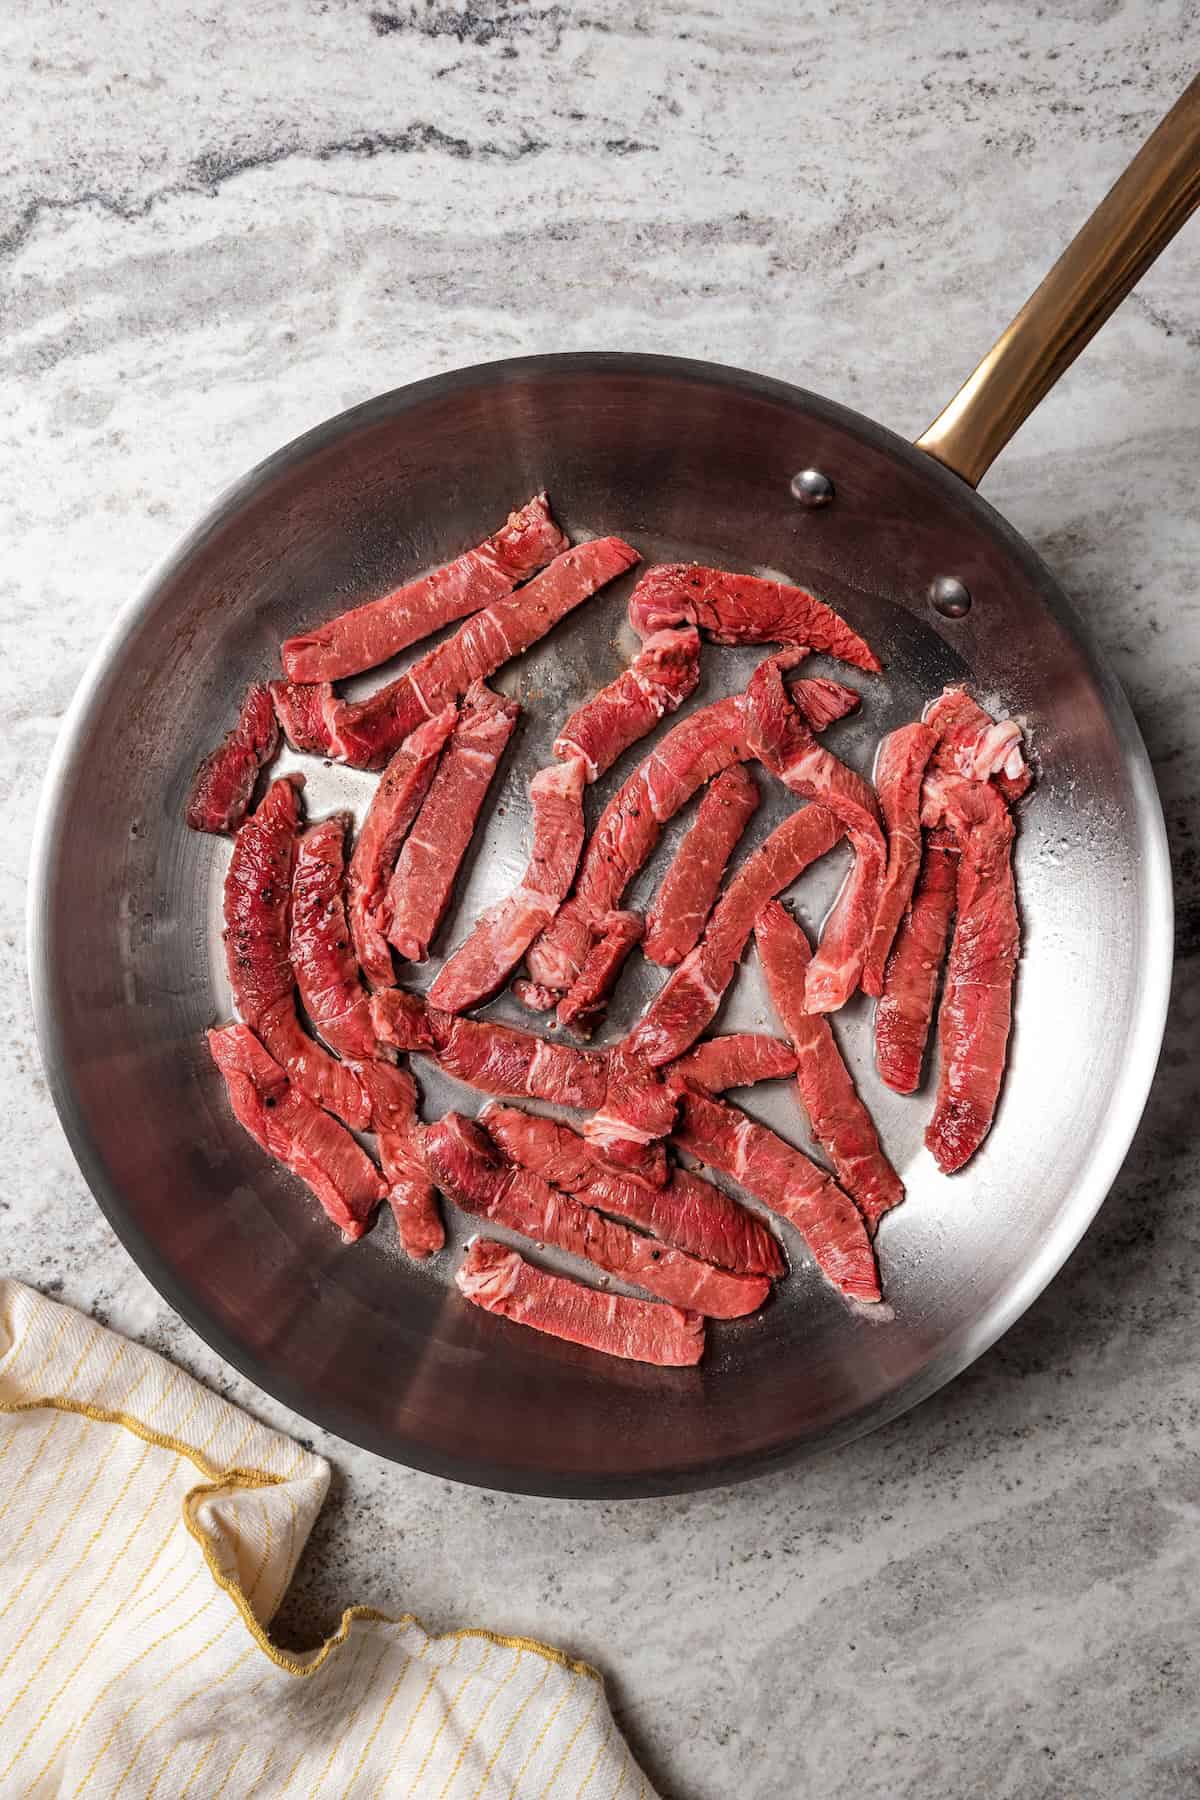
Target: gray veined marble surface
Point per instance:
(220, 224)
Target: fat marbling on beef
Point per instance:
(500, 1281)
(974, 745)
(370, 634)
(364, 733)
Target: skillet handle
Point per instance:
(1134, 221)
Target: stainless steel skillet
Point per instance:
(686, 460)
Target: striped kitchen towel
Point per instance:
(148, 1531)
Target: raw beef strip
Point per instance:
(910, 979)
(840, 1122)
(370, 634)
(782, 740)
(629, 828)
(742, 609)
(688, 1000)
(899, 771)
(738, 1060)
(411, 1194)
(288, 1126)
(658, 680)
(322, 955)
(327, 975)
(684, 901)
(466, 1165)
(689, 1212)
(401, 1020)
(725, 1138)
(498, 1280)
(638, 1112)
(583, 1004)
(500, 1060)
(973, 744)
(224, 782)
(429, 858)
(364, 733)
(692, 752)
(976, 1011)
(503, 933)
(394, 805)
(257, 894)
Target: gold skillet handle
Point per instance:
(1134, 221)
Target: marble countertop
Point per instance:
(219, 225)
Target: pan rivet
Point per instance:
(949, 596)
(811, 488)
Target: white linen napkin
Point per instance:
(148, 1531)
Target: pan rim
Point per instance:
(1062, 1237)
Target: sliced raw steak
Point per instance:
(498, 1280)
(742, 609)
(689, 887)
(497, 1059)
(738, 1060)
(689, 1212)
(691, 753)
(431, 854)
(688, 1000)
(790, 1184)
(905, 1008)
(224, 783)
(840, 1122)
(466, 1165)
(365, 732)
(370, 634)
(976, 1011)
(394, 805)
(659, 679)
(302, 1136)
(257, 896)
(899, 772)
(783, 741)
(480, 967)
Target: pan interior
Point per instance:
(686, 462)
